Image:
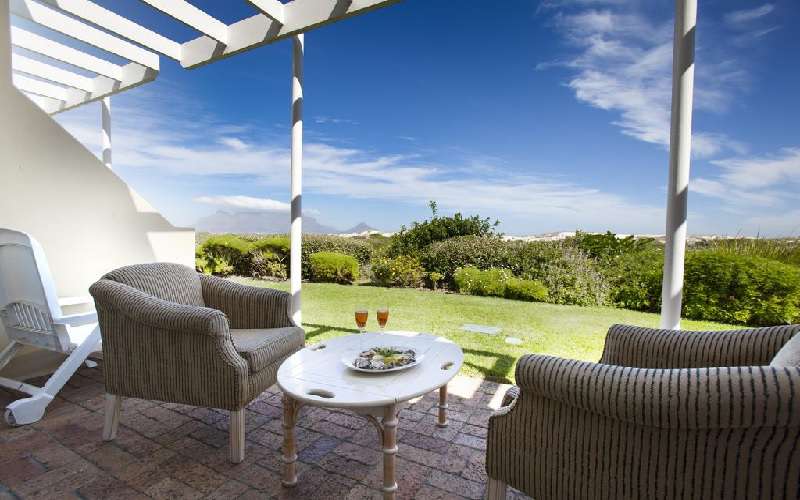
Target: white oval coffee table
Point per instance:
(316, 376)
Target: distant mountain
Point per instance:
(265, 222)
(362, 227)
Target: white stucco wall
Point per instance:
(86, 218)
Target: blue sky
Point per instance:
(548, 115)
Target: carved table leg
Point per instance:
(389, 425)
(442, 407)
(290, 409)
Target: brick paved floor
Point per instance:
(173, 451)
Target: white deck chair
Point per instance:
(31, 315)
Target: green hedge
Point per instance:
(496, 282)
(333, 267)
(570, 276)
(528, 290)
(720, 286)
(635, 279)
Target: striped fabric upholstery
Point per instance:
(584, 430)
(159, 349)
(171, 282)
(650, 348)
(247, 306)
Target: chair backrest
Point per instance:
(170, 282)
(28, 298)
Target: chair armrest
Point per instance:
(689, 398)
(651, 348)
(247, 306)
(75, 301)
(79, 319)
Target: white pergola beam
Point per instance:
(55, 20)
(193, 17)
(133, 75)
(45, 71)
(38, 87)
(47, 104)
(272, 8)
(299, 16)
(120, 25)
(63, 53)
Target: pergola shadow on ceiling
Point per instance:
(56, 89)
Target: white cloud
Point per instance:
(164, 142)
(759, 189)
(245, 203)
(740, 17)
(623, 64)
(234, 143)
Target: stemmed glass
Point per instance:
(383, 317)
(361, 319)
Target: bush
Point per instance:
(359, 249)
(781, 249)
(528, 290)
(401, 271)
(276, 244)
(445, 257)
(473, 281)
(266, 264)
(600, 246)
(226, 250)
(212, 265)
(635, 279)
(720, 286)
(571, 277)
(333, 267)
(421, 234)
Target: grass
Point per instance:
(566, 331)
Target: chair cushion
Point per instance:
(789, 355)
(262, 347)
(170, 282)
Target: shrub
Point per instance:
(266, 264)
(599, 246)
(434, 278)
(421, 234)
(445, 257)
(277, 244)
(783, 250)
(212, 265)
(528, 290)
(571, 277)
(359, 249)
(333, 267)
(227, 250)
(400, 271)
(721, 286)
(635, 279)
(472, 281)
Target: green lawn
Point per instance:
(568, 331)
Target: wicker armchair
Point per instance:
(173, 335)
(665, 414)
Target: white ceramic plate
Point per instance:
(348, 362)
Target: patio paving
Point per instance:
(167, 450)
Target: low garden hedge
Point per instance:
(332, 267)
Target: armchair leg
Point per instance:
(113, 404)
(496, 490)
(236, 426)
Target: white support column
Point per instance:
(680, 154)
(296, 236)
(105, 111)
(5, 44)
